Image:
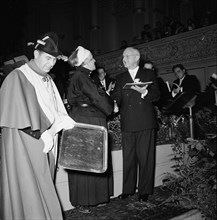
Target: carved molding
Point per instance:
(199, 44)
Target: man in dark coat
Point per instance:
(102, 80)
(138, 125)
(184, 82)
(165, 94)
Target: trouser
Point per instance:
(139, 152)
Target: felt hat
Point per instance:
(48, 43)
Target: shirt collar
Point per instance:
(133, 72)
(180, 81)
(34, 67)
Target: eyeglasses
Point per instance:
(130, 55)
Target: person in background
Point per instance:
(165, 95)
(103, 80)
(31, 115)
(190, 25)
(158, 30)
(124, 44)
(208, 98)
(88, 104)
(146, 34)
(138, 125)
(184, 82)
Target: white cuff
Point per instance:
(48, 141)
(144, 94)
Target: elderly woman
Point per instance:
(88, 104)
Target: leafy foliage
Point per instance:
(194, 184)
(114, 129)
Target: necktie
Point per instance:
(103, 83)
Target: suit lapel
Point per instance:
(128, 77)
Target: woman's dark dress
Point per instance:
(91, 105)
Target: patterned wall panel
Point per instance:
(194, 46)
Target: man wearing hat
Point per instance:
(31, 115)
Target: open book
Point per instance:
(141, 84)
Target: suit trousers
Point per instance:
(139, 161)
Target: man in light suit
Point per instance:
(138, 125)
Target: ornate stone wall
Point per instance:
(189, 48)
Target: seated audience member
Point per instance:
(167, 30)
(179, 28)
(165, 95)
(184, 82)
(103, 80)
(158, 31)
(146, 34)
(190, 25)
(208, 98)
(123, 44)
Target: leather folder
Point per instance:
(140, 84)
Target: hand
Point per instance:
(111, 86)
(176, 90)
(142, 90)
(62, 57)
(68, 122)
(48, 141)
(63, 122)
(116, 109)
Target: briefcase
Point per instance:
(84, 148)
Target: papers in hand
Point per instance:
(176, 85)
(141, 84)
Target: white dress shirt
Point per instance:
(133, 72)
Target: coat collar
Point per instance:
(85, 70)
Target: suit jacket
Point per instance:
(165, 95)
(189, 84)
(136, 113)
(108, 80)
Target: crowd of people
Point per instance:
(32, 115)
(169, 27)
